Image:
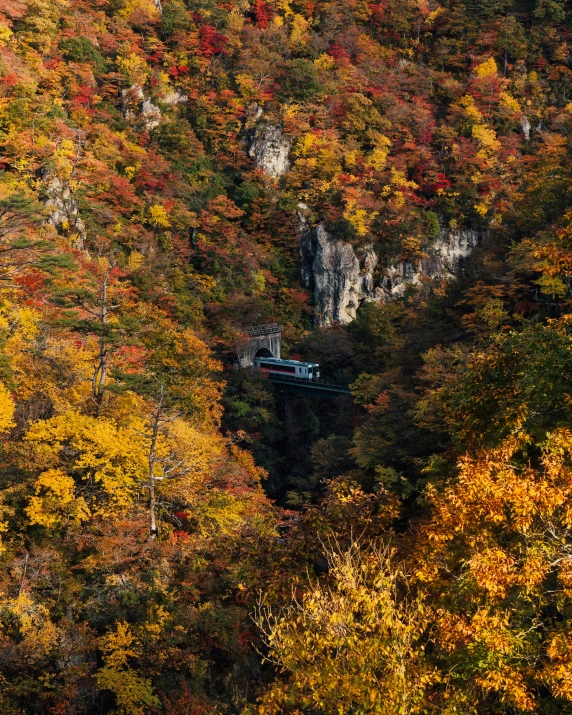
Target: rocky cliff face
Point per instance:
(140, 109)
(62, 209)
(341, 278)
(525, 126)
(443, 260)
(267, 143)
(270, 150)
(175, 97)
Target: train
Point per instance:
(291, 368)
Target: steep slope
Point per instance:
(173, 171)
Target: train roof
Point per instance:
(288, 362)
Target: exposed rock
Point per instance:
(443, 260)
(404, 64)
(150, 115)
(303, 213)
(136, 107)
(132, 99)
(62, 208)
(525, 126)
(334, 272)
(342, 279)
(268, 145)
(159, 6)
(175, 97)
(270, 150)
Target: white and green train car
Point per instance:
(292, 368)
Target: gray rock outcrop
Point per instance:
(267, 143)
(442, 260)
(62, 209)
(138, 108)
(175, 97)
(342, 278)
(150, 115)
(525, 126)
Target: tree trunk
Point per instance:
(100, 374)
(155, 424)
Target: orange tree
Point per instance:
(496, 561)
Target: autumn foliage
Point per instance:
(175, 536)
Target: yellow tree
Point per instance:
(87, 466)
(353, 644)
(164, 460)
(133, 693)
(497, 559)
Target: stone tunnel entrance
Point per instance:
(264, 353)
(259, 341)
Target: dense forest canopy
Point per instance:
(178, 537)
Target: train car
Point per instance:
(292, 368)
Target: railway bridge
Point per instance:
(315, 388)
(265, 341)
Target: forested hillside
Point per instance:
(391, 182)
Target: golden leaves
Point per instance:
(133, 693)
(299, 34)
(558, 672)
(133, 67)
(493, 570)
(510, 105)
(118, 646)
(488, 68)
(111, 459)
(325, 62)
(56, 503)
(357, 210)
(353, 645)
(501, 528)
(378, 157)
(487, 138)
(7, 408)
(5, 34)
(469, 109)
(36, 629)
(147, 6)
(158, 216)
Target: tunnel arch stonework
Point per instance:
(264, 353)
(260, 338)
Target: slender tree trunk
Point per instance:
(155, 424)
(152, 456)
(23, 581)
(100, 374)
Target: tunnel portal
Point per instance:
(259, 341)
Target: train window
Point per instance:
(277, 368)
